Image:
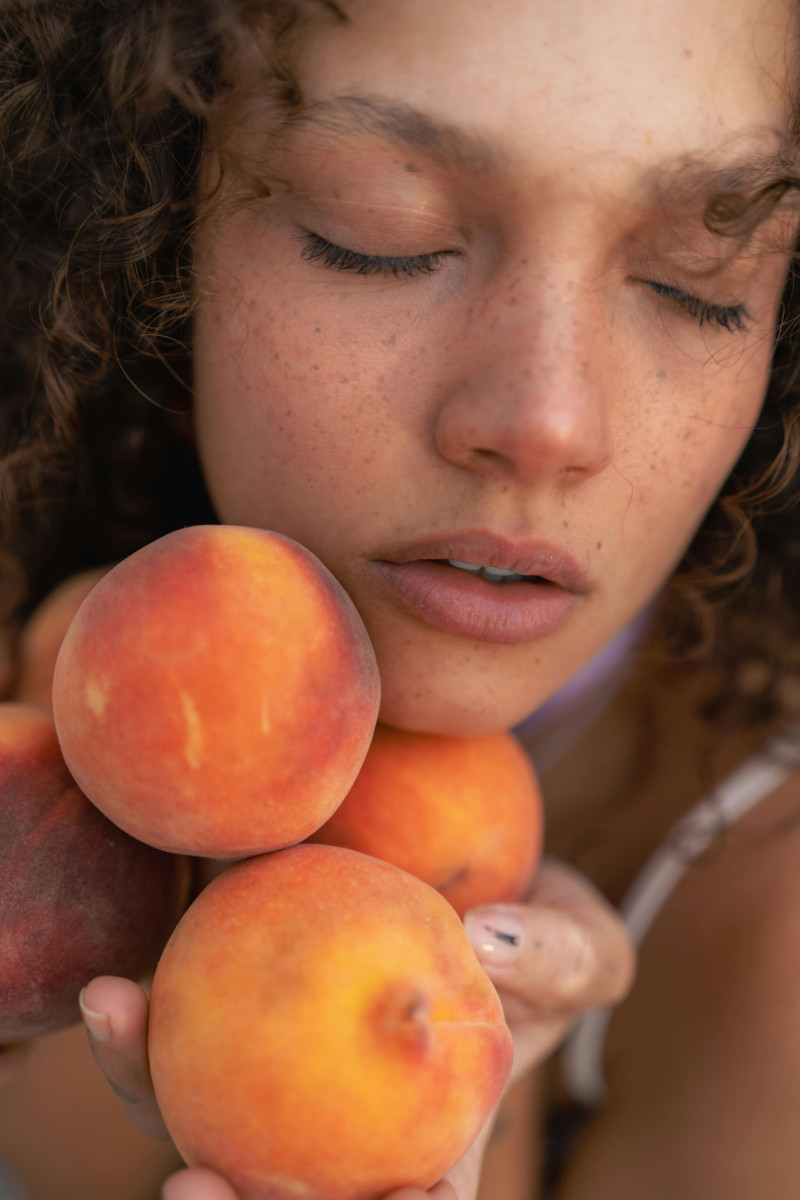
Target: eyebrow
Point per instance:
(688, 178)
(678, 181)
(408, 127)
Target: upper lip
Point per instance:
(523, 556)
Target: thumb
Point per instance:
(197, 1183)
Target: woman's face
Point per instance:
(480, 320)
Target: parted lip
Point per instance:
(525, 557)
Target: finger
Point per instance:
(560, 886)
(565, 949)
(115, 1014)
(197, 1183)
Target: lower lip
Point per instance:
(467, 606)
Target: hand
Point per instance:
(197, 1183)
(562, 951)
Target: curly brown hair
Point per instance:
(104, 107)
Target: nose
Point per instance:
(528, 397)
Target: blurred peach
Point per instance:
(43, 633)
(464, 814)
(78, 897)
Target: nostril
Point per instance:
(493, 458)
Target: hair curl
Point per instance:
(104, 106)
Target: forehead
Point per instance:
(562, 88)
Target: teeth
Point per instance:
(492, 574)
(499, 573)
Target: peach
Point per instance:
(43, 634)
(78, 897)
(320, 1027)
(217, 692)
(464, 814)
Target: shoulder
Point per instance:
(736, 912)
(723, 957)
(703, 1058)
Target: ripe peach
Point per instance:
(43, 634)
(321, 1028)
(464, 814)
(78, 897)
(217, 692)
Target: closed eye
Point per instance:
(733, 317)
(338, 258)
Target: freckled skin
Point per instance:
(523, 386)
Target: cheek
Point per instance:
(691, 450)
(291, 418)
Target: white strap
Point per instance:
(582, 1054)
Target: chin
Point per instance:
(432, 682)
(442, 714)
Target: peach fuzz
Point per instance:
(216, 692)
(320, 1027)
(78, 897)
(464, 814)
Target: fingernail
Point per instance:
(98, 1024)
(496, 935)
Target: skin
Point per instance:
(534, 385)
(537, 384)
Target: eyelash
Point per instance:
(734, 318)
(316, 249)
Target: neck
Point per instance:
(641, 765)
